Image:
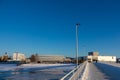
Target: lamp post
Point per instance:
(77, 43)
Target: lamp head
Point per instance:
(77, 24)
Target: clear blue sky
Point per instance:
(48, 26)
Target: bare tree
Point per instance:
(33, 58)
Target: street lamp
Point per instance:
(77, 43)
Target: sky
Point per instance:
(47, 27)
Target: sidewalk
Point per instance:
(95, 74)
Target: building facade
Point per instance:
(94, 56)
(93, 53)
(107, 58)
(50, 58)
(19, 57)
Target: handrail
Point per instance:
(85, 73)
(71, 72)
(78, 74)
(74, 74)
(63, 78)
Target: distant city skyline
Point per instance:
(47, 27)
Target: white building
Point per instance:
(107, 58)
(94, 56)
(101, 58)
(19, 57)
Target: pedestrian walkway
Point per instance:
(112, 71)
(95, 74)
(96, 71)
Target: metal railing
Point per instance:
(85, 73)
(76, 73)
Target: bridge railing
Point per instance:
(76, 73)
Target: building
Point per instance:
(50, 58)
(118, 60)
(67, 60)
(89, 58)
(107, 58)
(19, 57)
(94, 56)
(81, 59)
(4, 57)
(93, 53)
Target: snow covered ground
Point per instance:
(13, 67)
(95, 71)
(34, 71)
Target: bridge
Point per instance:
(94, 71)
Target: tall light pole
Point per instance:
(77, 43)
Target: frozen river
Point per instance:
(34, 72)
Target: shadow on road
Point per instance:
(111, 72)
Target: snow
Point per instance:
(13, 67)
(7, 67)
(94, 71)
(34, 71)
